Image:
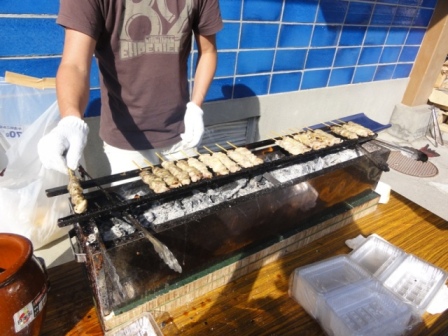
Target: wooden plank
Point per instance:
(258, 302)
(431, 56)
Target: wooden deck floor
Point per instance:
(258, 304)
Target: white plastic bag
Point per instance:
(24, 207)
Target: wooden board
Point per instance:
(258, 302)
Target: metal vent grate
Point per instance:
(408, 166)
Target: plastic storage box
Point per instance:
(378, 256)
(310, 284)
(365, 309)
(416, 282)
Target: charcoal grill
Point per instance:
(124, 271)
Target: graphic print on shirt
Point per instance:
(149, 26)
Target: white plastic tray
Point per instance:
(310, 284)
(378, 256)
(367, 309)
(416, 282)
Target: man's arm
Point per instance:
(206, 67)
(73, 76)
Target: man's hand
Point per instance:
(63, 146)
(194, 126)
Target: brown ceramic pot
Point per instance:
(23, 287)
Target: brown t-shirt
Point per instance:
(142, 51)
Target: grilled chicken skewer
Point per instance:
(194, 173)
(171, 181)
(154, 182)
(327, 137)
(253, 159)
(75, 190)
(216, 165)
(339, 130)
(356, 128)
(199, 166)
(232, 166)
(180, 174)
(238, 157)
(292, 146)
(308, 140)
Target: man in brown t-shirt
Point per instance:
(142, 48)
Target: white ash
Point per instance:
(119, 229)
(200, 200)
(302, 169)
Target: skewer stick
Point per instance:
(225, 150)
(184, 153)
(231, 144)
(160, 157)
(137, 165)
(211, 152)
(149, 163)
(326, 124)
(334, 123)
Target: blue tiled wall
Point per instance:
(265, 47)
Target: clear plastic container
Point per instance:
(366, 309)
(309, 284)
(143, 325)
(378, 256)
(416, 282)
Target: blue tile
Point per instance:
(320, 58)
(226, 64)
(409, 54)
(352, 36)
(370, 55)
(384, 72)
(396, 36)
(415, 36)
(250, 62)
(402, 71)
(300, 11)
(251, 86)
(230, 9)
(347, 56)
(364, 74)
(314, 79)
(429, 3)
(410, 2)
(341, 76)
(93, 108)
(325, 35)
(228, 37)
(389, 1)
(288, 60)
(26, 37)
(423, 18)
(295, 36)
(383, 15)
(331, 11)
(49, 7)
(262, 10)
(94, 74)
(390, 54)
(259, 35)
(220, 89)
(404, 16)
(359, 13)
(36, 67)
(285, 82)
(376, 35)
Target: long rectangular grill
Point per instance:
(290, 193)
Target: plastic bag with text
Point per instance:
(24, 207)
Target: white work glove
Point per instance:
(194, 126)
(63, 146)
